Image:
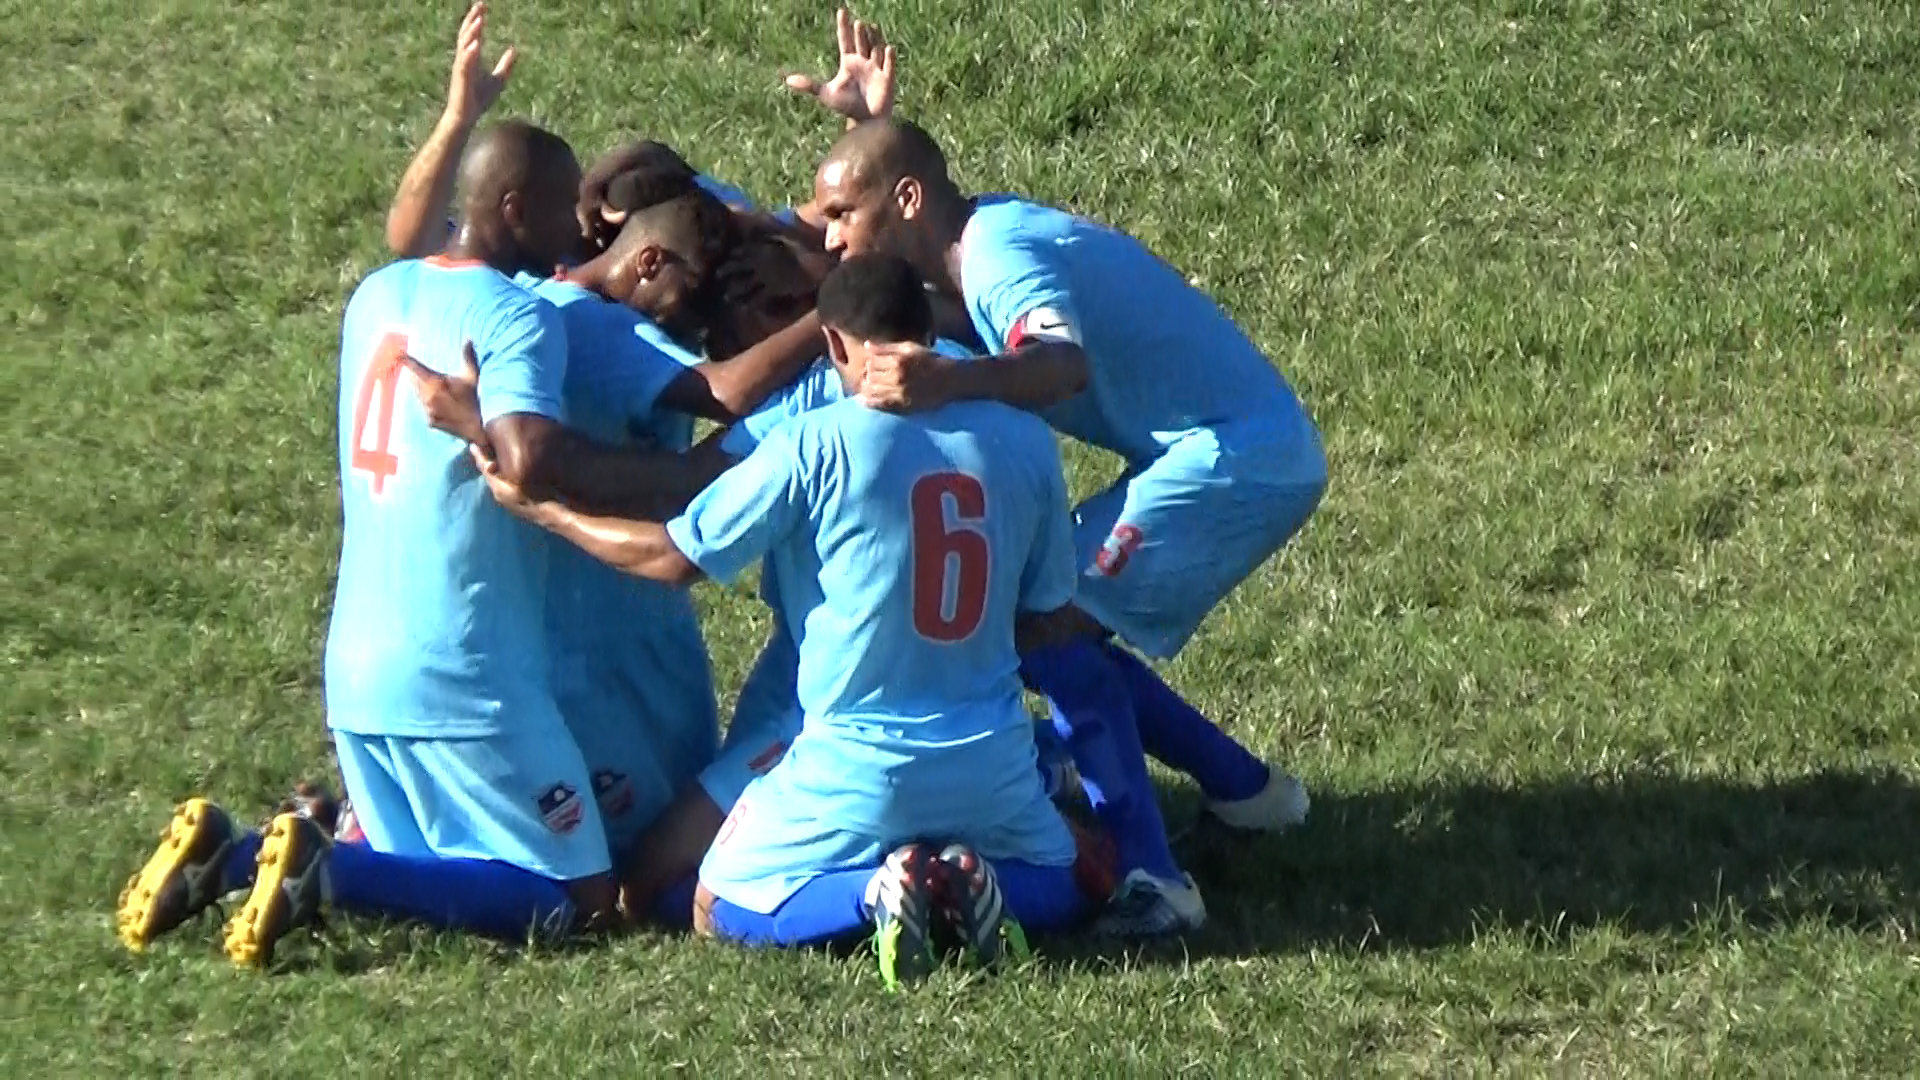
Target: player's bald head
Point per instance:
(880, 153)
(515, 156)
(884, 189)
(517, 186)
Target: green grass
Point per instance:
(1603, 655)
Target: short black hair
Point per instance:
(876, 298)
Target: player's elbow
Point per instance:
(526, 450)
(667, 566)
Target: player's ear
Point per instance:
(910, 196)
(512, 210)
(648, 261)
(836, 346)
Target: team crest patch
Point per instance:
(561, 808)
(613, 791)
(1112, 557)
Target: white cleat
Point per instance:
(1147, 906)
(1279, 806)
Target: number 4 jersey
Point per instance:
(438, 624)
(904, 547)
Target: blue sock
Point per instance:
(830, 908)
(1046, 899)
(237, 872)
(1094, 714)
(1179, 737)
(475, 895)
(673, 909)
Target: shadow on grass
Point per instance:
(1427, 867)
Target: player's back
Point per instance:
(929, 533)
(620, 641)
(438, 619)
(1165, 358)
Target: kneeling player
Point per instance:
(477, 805)
(905, 547)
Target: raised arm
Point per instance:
(417, 221)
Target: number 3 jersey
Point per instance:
(904, 547)
(438, 626)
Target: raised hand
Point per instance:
(474, 87)
(864, 87)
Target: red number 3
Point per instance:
(379, 381)
(944, 554)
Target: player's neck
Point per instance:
(953, 231)
(470, 244)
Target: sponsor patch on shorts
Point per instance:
(561, 808)
(613, 791)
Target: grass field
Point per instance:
(1602, 657)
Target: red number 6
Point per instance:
(943, 553)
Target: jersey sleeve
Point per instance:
(1017, 292)
(744, 513)
(1048, 580)
(628, 371)
(523, 362)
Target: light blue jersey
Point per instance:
(438, 626)
(767, 714)
(1165, 360)
(904, 546)
(630, 664)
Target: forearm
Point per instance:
(1032, 377)
(640, 548)
(737, 386)
(417, 221)
(625, 482)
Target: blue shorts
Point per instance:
(642, 738)
(524, 799)
(772, 845)
(1165, 544)
(766, 718)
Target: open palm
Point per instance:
(864, 87)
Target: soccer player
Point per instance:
(475, 800)
(905, 546)
(1115, 348)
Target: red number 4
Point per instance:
(944, 556)
(377, 385)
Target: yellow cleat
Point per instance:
(290, 890)
(182, 877)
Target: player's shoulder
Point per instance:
(1009, 218)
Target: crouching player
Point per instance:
(910, 803)
(1115, 348)
(476, 803)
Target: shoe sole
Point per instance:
(903, 960)
(905, 951)
(138, 906)
(988, 946)
(257, 927)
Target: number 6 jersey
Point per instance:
(904, 548)
(438, 626)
